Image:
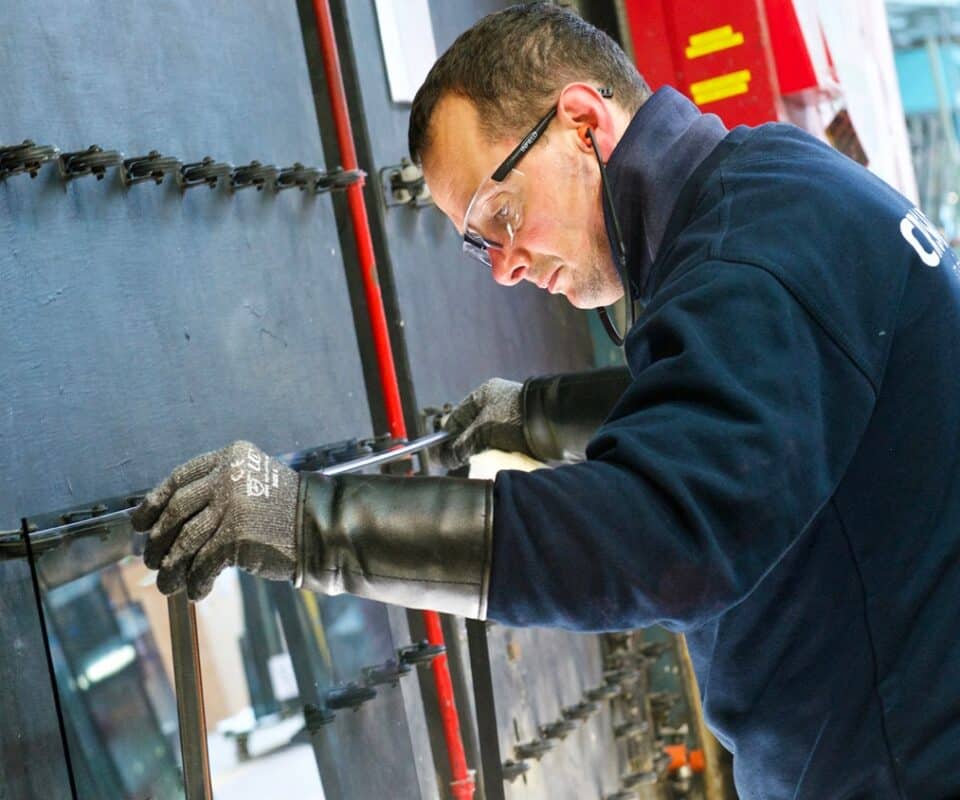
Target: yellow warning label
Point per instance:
(721, 87)
(713, 41)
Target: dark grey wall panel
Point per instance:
(139, 327)
(536, 674)
(31, 750)
(458, 325)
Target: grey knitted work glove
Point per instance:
(235, 506)
(490, 417)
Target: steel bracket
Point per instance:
(27, 157)
(403, 185)
(151, 167)
(92, 161)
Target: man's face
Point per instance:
(560, 243)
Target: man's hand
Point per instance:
(491, 417)
(235, 506)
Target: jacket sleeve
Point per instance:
(740, 421)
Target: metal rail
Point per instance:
(11, 543)
(423, 443)
(190, 711)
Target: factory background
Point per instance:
(209, 200)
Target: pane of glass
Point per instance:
(273, 659)
(255, 724)
(109, 639)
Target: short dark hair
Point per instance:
(512, 65)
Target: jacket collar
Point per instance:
(665, 142)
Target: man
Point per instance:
(780, 478)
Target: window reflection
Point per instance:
(255, 725)
(110, 641)
(285, 674)
(115, 689)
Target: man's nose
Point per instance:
(508, 266)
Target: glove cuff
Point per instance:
(415, 542)
(561, 413)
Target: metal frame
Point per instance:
(485, 703)
(189, 689)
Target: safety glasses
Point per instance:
(495, 213)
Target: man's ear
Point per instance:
(582, 108)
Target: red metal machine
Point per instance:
(738, 59)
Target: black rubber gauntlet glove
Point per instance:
(232, 507)
(414, 542)
(550, 418)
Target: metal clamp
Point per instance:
(253, 174)
(661, 761)
(27, 157)
(514, 769)
(389, 672)
(338, 179)
(316, 717)
(534, 748)
(653, 650)
(634, 727)
(403, 185)
(662, 701)
(202, 173)
(622, 675)
(151, 167)
(580, 710)
(92, 161)
(558, 729)
(315, 459)
(606, 692)
(298, 177)
(350, 695)
(420, 653)
(618, 639)
(83, 513)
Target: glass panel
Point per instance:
(109, 640)
(267, 653)
(109, 633)
(285, 674)
(255, 725)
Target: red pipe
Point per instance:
(462, 785)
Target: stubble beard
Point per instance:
(597, 282)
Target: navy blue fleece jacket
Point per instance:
(781, 481)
